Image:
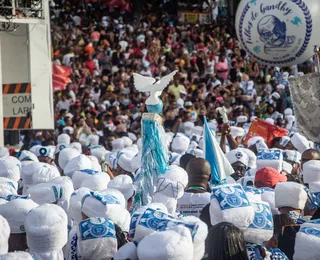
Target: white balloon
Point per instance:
(279, 33)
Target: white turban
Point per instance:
(124, 184)
(101, 205)
(290, 194)
(93, 140)
(75, 204)
(170, 187)
(47, 231)
(80, 162)
(44, 173)
(10, 167)
(67, 155)
(15, 212)
(95, 165)
(300, 142)
(180, 144)
(97, 151)
(26, 155)
(96, 182)
(117, 145)
(46, 151)
(97, 238)
(252, 163)
(230, 203)
(62, 146)
(16, 256)
(175, 244)
(77, 146)
(307, 242)
(4, 235)
(311, 171)
(4, 152)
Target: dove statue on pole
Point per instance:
(154, 87)
(155, 159)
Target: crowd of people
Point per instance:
(71, 193)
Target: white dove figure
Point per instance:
(148, 84)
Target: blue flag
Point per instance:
(220, 166)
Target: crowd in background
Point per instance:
(71, 193)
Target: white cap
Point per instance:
(45, 193)
(133, 137)
(238, 155)
(78, 163)
(124, 160)
(292, 156)
(258, 141)
(46, 151)
(34, 149)
(63, 138)
(124, 184)
(15, 212)
(197, 130)
(67, 155)
(10, 167)
(4, 235)
(290, 194)
(288, 112)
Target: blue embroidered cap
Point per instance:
(93, 228)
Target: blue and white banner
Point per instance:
(220, 166)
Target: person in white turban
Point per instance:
(47, 232)
(15, 212)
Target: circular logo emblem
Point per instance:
(267, 156)
(99, 230)
(276, 32)
(22, 228)
(43, 151)
(259, 220)
(239, 155)
(233, 200)
(153, 223)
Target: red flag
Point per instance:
(60, 77)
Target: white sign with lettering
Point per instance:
(16, 105)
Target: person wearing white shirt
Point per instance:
(196, 196)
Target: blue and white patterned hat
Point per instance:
(97, 238)
(307, 242)
(230, 203)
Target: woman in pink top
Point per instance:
(222, 68)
